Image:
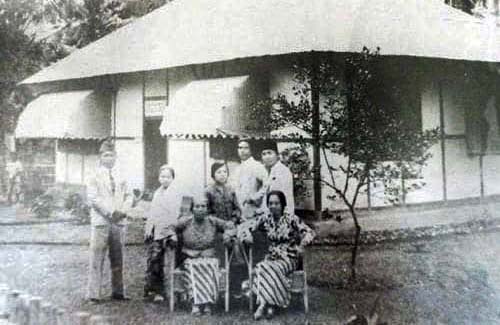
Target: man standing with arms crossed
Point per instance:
(110, 200)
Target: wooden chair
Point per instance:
(175, 287)
(298, 278)
(299, 281)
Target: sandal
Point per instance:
(270, 313)
(196, 310)
(259, 313)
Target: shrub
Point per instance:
(78, 207)
(43, 206)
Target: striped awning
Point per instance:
(66, 115)
(209, 108)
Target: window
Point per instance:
(156, 93)
(483, 118)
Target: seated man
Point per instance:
(200, 266)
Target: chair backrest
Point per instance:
(300, 262)
(186, 204)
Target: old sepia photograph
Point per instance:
(298, 162)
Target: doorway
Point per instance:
(155, 153)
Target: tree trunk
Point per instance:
(357, 234)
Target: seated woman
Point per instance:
(200, 266)
(287, 235)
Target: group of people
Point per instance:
(261, 199)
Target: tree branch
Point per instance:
(328, 166)
(339, 192)
(362, 182)
(348, 172)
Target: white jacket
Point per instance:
(164, 211)
(102, 199)
(281, 179)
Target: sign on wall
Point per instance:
(155, 108)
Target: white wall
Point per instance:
(491, 175)
(75, 162)
(463, 173)
(432, 171)
(156, 83)
(129, 107)
(129, 130)
(60, 166)
(130, 161)
(91, 162)
(462, 169)
(190, 160)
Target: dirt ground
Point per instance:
(452, 280)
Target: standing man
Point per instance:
(280, 177)
(250, 189)
(14, 170)
(110, 200)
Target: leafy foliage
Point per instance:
(36, 33)
(297, 159)
(75, 23)
(21, 55)
(43, 206)
(78, 207)
(379, 145)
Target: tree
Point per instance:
(36, 33)
(485, 8)
(380, 147)
(21, 55)
(464, 5)
(76, 23)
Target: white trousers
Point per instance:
(106, 240)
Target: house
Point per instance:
(173, 86)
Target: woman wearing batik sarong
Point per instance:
(287, 235)
(200, 266)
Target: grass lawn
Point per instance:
(451, 280)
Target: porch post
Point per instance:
(481, 175)
(315, 135)
(144, 176)
(443, 140)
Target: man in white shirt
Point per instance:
(14, 169)
(280, 177)
(110, 202)
(250, 189)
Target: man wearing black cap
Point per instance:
(280, 177)
(109, 200)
